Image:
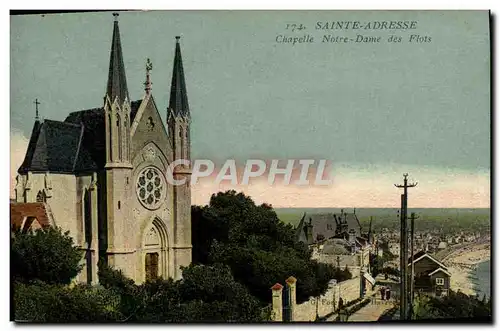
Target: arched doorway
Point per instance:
(155, 251)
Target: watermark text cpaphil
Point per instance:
(299, 172)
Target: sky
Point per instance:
(375, 110)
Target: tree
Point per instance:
(48, 255)
(259, 248)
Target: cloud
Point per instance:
(354, 185)
(357, 185)
(18, 147)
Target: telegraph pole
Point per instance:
(404, 247)
(412, 277)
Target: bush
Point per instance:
(40, 302)
(455, 305)
(205, 294)
(48, 255)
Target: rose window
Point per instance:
(150, 188)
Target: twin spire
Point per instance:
(178, 93)
(117, 81)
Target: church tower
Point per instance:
(178, 122)
(119, 228)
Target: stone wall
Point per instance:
(349, 260)
(348, 290)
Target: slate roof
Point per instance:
(421, 254)
(178, 93)
(323, 224)
(76, 145)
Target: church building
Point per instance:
(101, 175)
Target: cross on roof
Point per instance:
(36, 109)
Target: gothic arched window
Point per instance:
(87, 223)
(182, 142)
(188, 144)
(110, 138)
(87, 216)
(125, 139)
(120, 142)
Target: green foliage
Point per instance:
(205, 294)
(111, 278)
(455, 305)
(391, 271)
(259, 248)
(40, 302)
(130, 295)
(48, 255)
(377, 263)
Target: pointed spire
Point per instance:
(178, 93)
(117, 82)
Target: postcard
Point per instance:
(250, 166)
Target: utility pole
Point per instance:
(404, 247)
(412, 277)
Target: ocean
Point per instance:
(481, 279)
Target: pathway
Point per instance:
(372, 311)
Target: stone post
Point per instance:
(291, 283)
(277, 308)
(362, 289)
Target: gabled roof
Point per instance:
(20, 211)
(440, 269)
(417, 255)
(76, 145)
(421, 255)
(178, 93)
(362, 242)
(369, 278)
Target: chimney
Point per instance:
(352, 236)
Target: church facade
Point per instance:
(101, 173)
